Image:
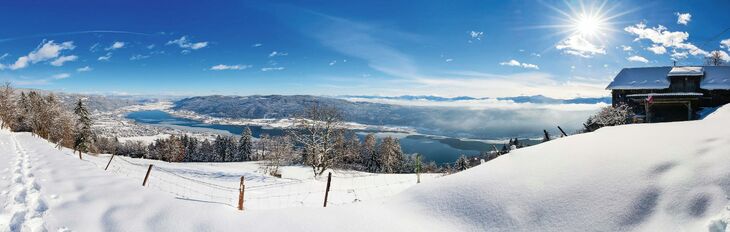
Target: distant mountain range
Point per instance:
(448, 121)
(538, 99)
(92, 101)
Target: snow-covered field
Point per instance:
(642, 177)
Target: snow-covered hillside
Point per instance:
(643, 177)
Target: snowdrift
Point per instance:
(643, 177)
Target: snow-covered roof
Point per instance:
(716, 77)
(641, 78)
(685, 71)
(713, 77)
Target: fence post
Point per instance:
(144, 183)
(418, 168)
(240, 194)
(80, 155)
(562, 131)
(110, 162)
(327, 192)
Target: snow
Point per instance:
(640, 177)
(714, 78)
(641, 78)
(685, 71)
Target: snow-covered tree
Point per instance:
(22, 121)
(82, 138)
(7, 106)
(369, 154)
(245, 145)
(282, 153)
(316, 131)
(462, 163)
(391, 155)
(609, 116)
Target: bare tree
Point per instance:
(281, 153)
(716, 58)
(7, 106)
(317, 132)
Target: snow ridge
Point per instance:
(25, 207)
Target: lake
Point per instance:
(432, 148)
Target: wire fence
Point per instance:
(346, 187)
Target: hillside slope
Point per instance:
(644, 177)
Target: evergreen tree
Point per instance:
(462, 163)
(370, 154)
(22, 121)
(82, 138)
(391, 155)
(245, 145)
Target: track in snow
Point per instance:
(24, 208)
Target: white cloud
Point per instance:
(151, 46)
(184, 43)
(105, 57)
(626, 48)
(656, 49)
(275, 53)
(518, 64)
(683, 18)
(61, 76)
(84, 69)
(724, 43)
(661, 36)
(94, 47)
(333, 62)
(676, 55)
(221, 67)
(46, 51)
(4, 56)
(63, 59)
(256, 45)
(449, 60)
(272, 69)
(637, 59)
(116, 45)
(475, 35)
(578, 45)
(138, 57)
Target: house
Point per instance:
(662, 94)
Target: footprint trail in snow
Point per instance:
(24, 207)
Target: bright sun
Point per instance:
(587, 25)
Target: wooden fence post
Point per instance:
(240, 194)
(80, 155)
(562, 131)
(327, 192)
(418, 168)
(110, 162)
(144, 183)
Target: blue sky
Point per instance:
(448, 48)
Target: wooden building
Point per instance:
(662, 94)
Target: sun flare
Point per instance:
(589, 25)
